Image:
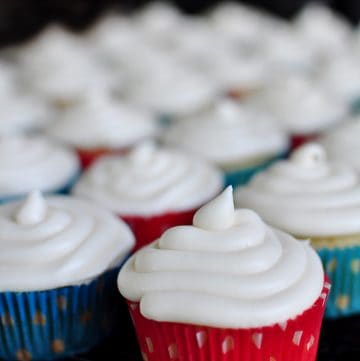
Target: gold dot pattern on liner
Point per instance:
(342, 302)
(23, 355)
(39, 319)
(61, 303)
(331, 266)
(355, 265)
(58, 346)
(7, 320)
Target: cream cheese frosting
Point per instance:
(342, 143)
(34, 162)
(228, 270)
(300, 105)
(150, 180)
(307, 195)
(229, 133)
(99, 121)
(57, 241)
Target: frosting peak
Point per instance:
(33, 210)
(143, 152)
(309, 156)
(218, 214)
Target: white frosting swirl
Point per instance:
(56, 242)
(342, 144)
(300, 105)
(229, 134)
(150, 180)
(306, 195)
(33, 162)
(228, 270)
(99, 121)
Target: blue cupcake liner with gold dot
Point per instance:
(54, 324)
(65, 189)
(342, 265)
(243, 176)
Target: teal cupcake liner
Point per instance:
(243, 176)
(65, 189)
(355, 106)
(54, 324)
(342, 265)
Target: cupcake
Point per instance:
(311, 197)
(151, 188)
(63, 256)
(302, 108)
(233, 137)
(228, 287)
(342, 143)
(34, 162)
(327, 32)
(59, 66)
(341, 76)
(101, 125)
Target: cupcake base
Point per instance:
(58, 323)
(89, 156)
(148, 229)
(295, 340)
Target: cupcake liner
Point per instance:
(342, 265)
(148, 229)
(299, 139)
(295, 340)
(65, 189)
(89, 156)
(46, 325)
(244, 175)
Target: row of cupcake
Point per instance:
(125, 65)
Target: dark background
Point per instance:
(20, 19)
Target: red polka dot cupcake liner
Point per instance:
(294, 340)
(298, 140)
(148, 229)
(89, 156)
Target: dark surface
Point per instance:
(21, 19)
(340, 341)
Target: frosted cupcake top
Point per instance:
(307, 195)
(20, 114)
(58, 241)
(169, 92)
(259, 276)
(229, 134)
(59, 65)
(342, 144)
(28, 162)
(150, 180)
(99, 121)
(300, 105)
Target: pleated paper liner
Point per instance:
(243, 175)
(294, 340)
(148, 229)
(46, 325)
(342, 265)
(89, 156)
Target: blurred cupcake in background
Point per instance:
(301, 106)
(171, 90)
(101, 125)
(327, 32)
(58, 66)
(63, 255)
(314, 198)
(342, 143)
(237, 139)
(340, 75)
(228, 287)
(152, 188)
(34, 162)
